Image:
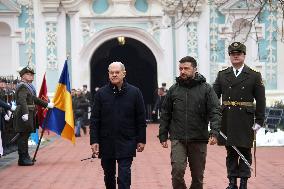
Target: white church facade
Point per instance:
(44, 33)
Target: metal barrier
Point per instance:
(273, 119)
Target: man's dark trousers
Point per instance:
(23, 147)
(124, 172)
(236, 167)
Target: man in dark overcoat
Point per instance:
(240, 87)
(25, 121)
(118, 127)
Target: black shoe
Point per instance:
(25, 162)
(243, 183)
(232, 183)
(27, 155)
(84, 130)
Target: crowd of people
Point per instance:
(81, 101)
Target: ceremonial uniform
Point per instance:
(239, 113)
(26, 100)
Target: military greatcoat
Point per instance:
(26, 101)
(238, 120)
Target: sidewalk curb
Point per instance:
(7, 160)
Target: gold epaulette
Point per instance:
(225, 69)
(254, 70)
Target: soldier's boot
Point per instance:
(28, 156)
(24, 160)
(84, 130)
(243, 183)
(232, 183)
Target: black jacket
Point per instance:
(188, 108)
(118, 121)
(4, 105)
(80, 106)
(3, 110)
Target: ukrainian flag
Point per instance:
(60, 118)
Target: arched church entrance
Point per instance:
(140, 63)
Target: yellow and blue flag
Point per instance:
(60, 118)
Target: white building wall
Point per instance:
(16, 37)
(5, 53)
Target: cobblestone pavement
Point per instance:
(59, 166)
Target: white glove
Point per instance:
(13, 106)
(25, 117)
(256, 127)
(9, 113)
(50, 105)
(6, 117)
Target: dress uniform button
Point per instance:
(229, 107)
(241, 98)
(240, 108)
(243, 87)
(230, 87)
(229, 97)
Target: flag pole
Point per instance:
(41, 135)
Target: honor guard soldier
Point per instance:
(239, 87)
(25, 115)
(2, 88)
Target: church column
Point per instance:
(181, 46)
(165, 69)
(39, 44)
(76, 45)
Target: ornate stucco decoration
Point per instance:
(155, 26)
(172, 7)
(52, 62)
(214, 51)
(24, 2)
(12, 7)
(50, 5)
(121, 8)
(71, 3)
(192, 44)
(239, 10)
(87, 29)
(271, 29)
(182, 10)
(29, 30)
(121, 13)
(242, 8)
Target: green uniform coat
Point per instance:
(237, 121)
(26, 102)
